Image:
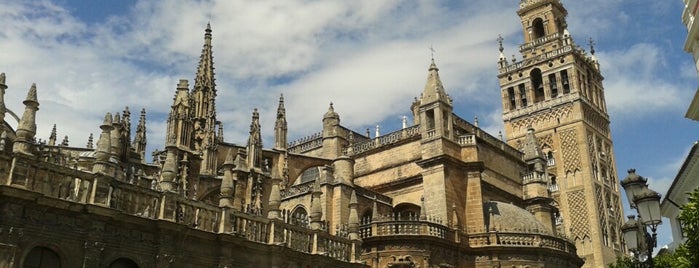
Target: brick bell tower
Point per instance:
(556, 90)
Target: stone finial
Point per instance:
(65, 141)
(104, 143)
(169, 172)
(228, 183)
(52, 136)
(2, 80)
(316, 207)
(26, 128)
(353, 217)
(90, 142)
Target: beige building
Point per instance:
(687, 178)
(557, 89)
(439, 192)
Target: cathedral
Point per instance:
(438, 192)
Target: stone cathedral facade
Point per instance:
(439, 192)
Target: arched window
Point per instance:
(538, 28)
(550, 160)
(42, 257)
(310, 174)
(407, 211)
(123, 263)
(299, 217)
(537, 85)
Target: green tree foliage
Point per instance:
(689, 251)
(622, 262)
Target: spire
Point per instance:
(127, 124)
(255, 142)
(531, 146)
(139, 142)
(26, 128)
(331, 112)
(353, 217)
(205, 72)
(502, 59)
(434, 90)
(280, 127)
(90, 142)
(115, 136)
(52, 137)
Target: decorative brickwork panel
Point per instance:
(543, 118)
(545, 141)
(571, 153)
(580, 225)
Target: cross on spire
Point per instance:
(432, 51)
(500, 39)
(592, 46)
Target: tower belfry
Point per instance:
(556, 89)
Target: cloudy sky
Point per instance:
(368, 57)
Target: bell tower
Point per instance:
(556, 89)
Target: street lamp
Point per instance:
(647, 204)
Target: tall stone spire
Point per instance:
(353, 217)
(204, 108)
(434, 89)
(280, 127)
(254, 147)
(139, 142)
(27, 124)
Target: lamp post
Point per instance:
(635, 230)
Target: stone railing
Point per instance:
(296, 190)
(72, 185)
(306, 144)
(533, 177)
(487, 138)
(412, 228)
(387, 139)
(513, 239)
(535, 59)
(539, 41)
(466, 140)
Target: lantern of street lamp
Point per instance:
(648, 205)
(630, 231)
(633, 184)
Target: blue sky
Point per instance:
(368, 57)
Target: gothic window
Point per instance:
(42, 257)
(406, 211)
(537, 85)
(553, 86)
(538, 28)
(310, 174)
(299, 217)
(565, 82)
(522, 95)
(430, 119)
(512, 98)
(123, 263)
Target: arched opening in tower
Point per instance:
(538, 28)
